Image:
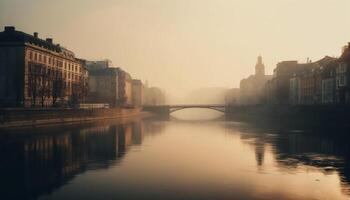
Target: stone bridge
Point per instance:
(167, 109)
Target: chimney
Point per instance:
(35, 34)
(49, 40)
(9, 28)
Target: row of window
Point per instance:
(341, 68)
(39, 69)
(35, 56)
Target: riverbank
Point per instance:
(22, 118)
(293, 116)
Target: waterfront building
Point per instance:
(137, 92)
(252, 88)
(109, 85)
(328, 83)
(311, 81)
(343, 77)
(294, 90)
(277, 89)
(232, 97)
(98, 64)
(103, 86)
(125, 88)
(305, 86)
(37, 72)
(153, 96)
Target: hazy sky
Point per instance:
(181, 45)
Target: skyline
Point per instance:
(218, 40)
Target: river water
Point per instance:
(177, 158)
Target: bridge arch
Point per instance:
(216, 108)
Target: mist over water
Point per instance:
(173, 159)
(197, 114)
(195, 52)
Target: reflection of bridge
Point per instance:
(167, 109)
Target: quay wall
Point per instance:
(318, 115)
(17, 117)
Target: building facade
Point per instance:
(277, 89)
(103, 86)
(109, 85)
(153, 96)
(137, 92)
(232, 97)
(307, 85)
(294, 90)
(342, 77)
(125, 88)
(252, 88)
(36, 72)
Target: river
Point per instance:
(176, 158)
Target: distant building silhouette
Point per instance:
(260, 67)
(110, 85)
(137, 93)
(252, 88)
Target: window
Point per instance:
(342, 67)
(342, 81)
(30, 55)
(35, 56)
(40, 57)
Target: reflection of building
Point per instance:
(36, 164)
(137, 132)
(327, 152)
(252, 88)
(259, 146)
(36, 72)
(260, 153)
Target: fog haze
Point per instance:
(183, 45)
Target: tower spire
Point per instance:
(259, 67)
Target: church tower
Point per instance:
(260, 67)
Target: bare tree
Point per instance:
(83, 89)
(58, 87)
(44, 85)
(33, 82)
(79, 90)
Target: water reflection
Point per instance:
(35, 162)
(327, 150)
(174, 159)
